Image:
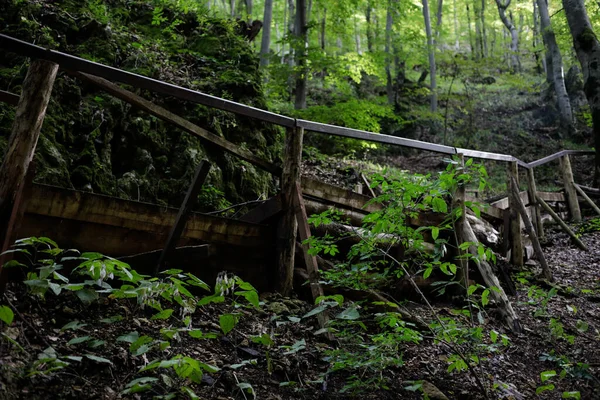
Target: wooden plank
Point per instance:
(561, 153)
(63, 204)
(503, 204)
(9, 98)
(339, 196)
(587, 199)
(552, 196)
(371, 137)
(570, 192)
(531, 192)
(310, 261)
(73, 63)
(181, 123)
(486, 155)
(266, 210)
(562, 224)
(514, 187)
(516, 254)
(184, 212)
(288, 225)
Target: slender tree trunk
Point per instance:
(483, 30)
(587, 48)
(323, 26)
(431, 50)
(368, 14)
(265, 44)
(357, 36)
(302, 37)
(388, 51)
(470, 32)
(232, 8)
(536, 33)
(285, 24)
(457, 42)
(438, 20)
(562, 97)
(249, 9)
(515, 62)
(478, 35)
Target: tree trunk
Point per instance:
(470, 32)
(536, 32)
(388, 52)
(323, 26)
(302, 38)
(483, 30)
(438, 19)
(515, 62)
(431, 49)
(265, 43)
(249, 8)
(478, 35)
(370, 34)
(357, 37)
(457, 43)
(562, 97)
(587, 48)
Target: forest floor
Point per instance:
(93, 344)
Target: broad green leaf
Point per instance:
(73, 325)
(98, 359)
(571, 395)
(541, 389)
(6, 315)
(189, 393)
(78, 340)
(350, 313)
(198, 334)
(544, 376)
(484, 297)
(227, 323)
(164, 314)
(87, 296)
(493, 336)
(315, 311)
(435, 232)
(130, 337)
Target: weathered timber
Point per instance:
(530, 230)
(590, 190)
(339, 196)
(569, 183)
(555, 156)
(263, 212)
(587, 199)
(565, 227)
(504, 203)
(184, 212)
(144, 221)
(9, 98)
(73, 63)
(486, 155)
(501, 299)
(310, 261)
(536, 217)
(288, 225)
(178, 121)
(552, 196)
(516, 254)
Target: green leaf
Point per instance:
(427, 272)
(544, 376)
(189, 393)
(435, 232)
(493, 336)
(571, 395)
(251, 297)
(439, 205)
(130, 337)
(72, 325)
(6, 315)
(227, 323)
(472, 289)
(541, 389)
(582, 326)
(350, 313)
(198, 334)
(87, 296)
(98, 359)
(78, 340)
(315, 311)
(484, 297)
(264, 339)
(164, 314)
(112, 320)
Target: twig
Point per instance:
(22, 318)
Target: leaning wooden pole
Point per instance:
(555, 216)
(288, 225)
(29, 118)
(536, 216)
(516, 254)
(531, 231)
(587, 199)
(571, 192)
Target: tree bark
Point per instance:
(438, 19)
(388, 52)
(470, 32)
(483, 30)
(302, 38)
(265, 44)
(370, 33)
(478, 34)
(431, 49)
(515, 62)
(562, 97)
(587, 48)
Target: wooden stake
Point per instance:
(587, 198)
(567, 174)
(550, 211)
(536, 217)
(29, 117)
(367, 184)
(184, 212)
(515, 219)
(311, 261)
(288, 225)
(531, 231)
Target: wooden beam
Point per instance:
(530, 230)
(561, 153)
(587, 199)
(552, 196)
(516, 254)
(184, 212)
(565, 227)
(536, 217)
(9, 98)
(339, 196)
(88, 208)
(571, 193)
(288, 225)
(504, 203)
(181, 123)
(311, 261)
(266, 210)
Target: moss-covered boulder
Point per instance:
(92, 141)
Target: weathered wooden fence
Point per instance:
(50, 203)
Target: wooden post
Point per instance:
(587, 198)
(184, 212)
(516, 255)
(29, 117)
(536, 216)
(531, 231)
(554, 215)
(567, 175)
(288, 225)
(311, 261)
